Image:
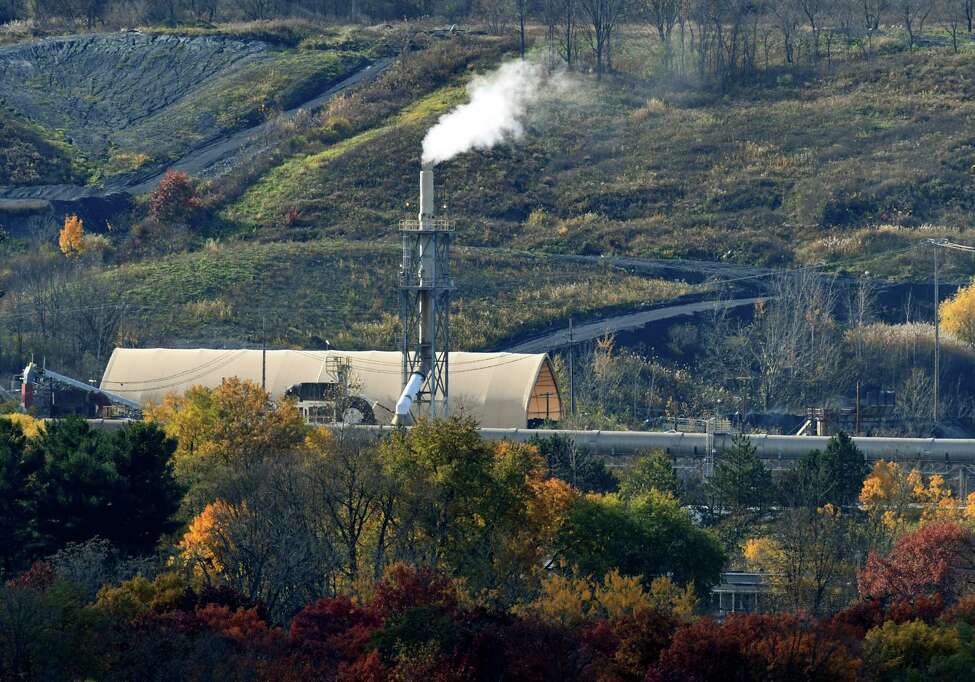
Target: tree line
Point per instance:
(225, 539)
(723, 39)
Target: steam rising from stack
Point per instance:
(500, 104)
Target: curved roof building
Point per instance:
(500, 390)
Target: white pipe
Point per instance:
(403, 417)
(769, 447)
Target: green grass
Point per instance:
(290, 33)
(30, 155)
(347, 292)
(288, 185)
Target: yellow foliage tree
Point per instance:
(72, 238)
(573, 600)
(30, 426)
(140, 595)
(896, 498)
(958, 314)
(232, 424)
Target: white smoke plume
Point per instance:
(500, 104)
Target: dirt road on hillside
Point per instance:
(212, 158)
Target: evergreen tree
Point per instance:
(740, 490)
(833, 476)
(89, 484)
(15, 505)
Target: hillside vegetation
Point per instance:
(309, 294)
(761, 174)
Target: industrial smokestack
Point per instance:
(427, 203)
(427, 319)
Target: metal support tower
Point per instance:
(425, 289)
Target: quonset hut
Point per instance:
(499, 390)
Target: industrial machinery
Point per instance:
(50, 394)
(334, 401)
(425, 289)
(322, 404)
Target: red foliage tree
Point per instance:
(937, 559)
(175, 199)
(962, 612)
(336, 626)
(623, 649)
(406, 587)
(38, 577)
(244, 626)
(755, 647)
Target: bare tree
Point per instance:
(602, 16)
(663, 15)
(815, 12)
(873, 13)
(953, 14)
(913, 15)
(521, 11)
(563, 27)
(793, 346)
(787, 19)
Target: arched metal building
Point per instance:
(500, 390)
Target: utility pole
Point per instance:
(263, 352)
(572, 383)
(937, 333)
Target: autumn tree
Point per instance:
(755, 647)
(903, 651)
(957, 314)
(71, 240)
(896, 499)
(175, 199)
(270, 545)
(222, 432)
(806, 557)
(466, 506)
(937, 559)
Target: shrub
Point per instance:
(175, 200)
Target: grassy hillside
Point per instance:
(27, 157)
(310, 292)
(856, 167)
(344, 292)
(773, 174)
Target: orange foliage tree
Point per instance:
(71, 241)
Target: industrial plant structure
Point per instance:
(500, 390)
(425, 287)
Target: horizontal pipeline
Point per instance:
(679, 444)
(786, 448)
